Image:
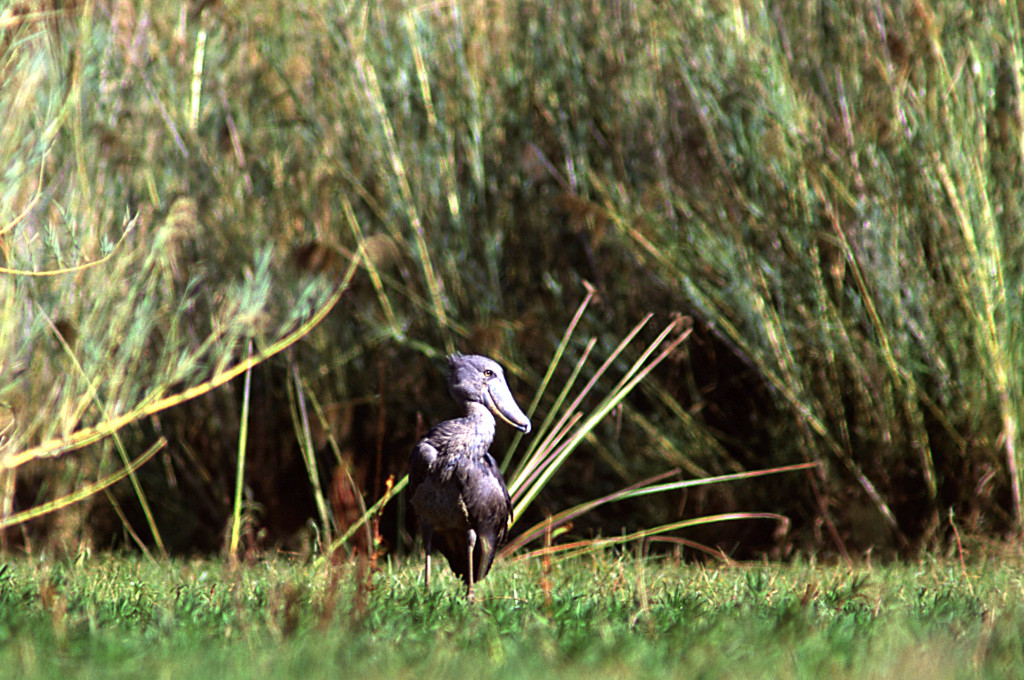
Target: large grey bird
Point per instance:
(458, 493)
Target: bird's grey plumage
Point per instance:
(458, 493)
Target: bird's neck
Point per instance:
(480, 420)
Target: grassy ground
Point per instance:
(831, 192)
(613, 616)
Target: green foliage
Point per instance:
(861, 247)
(832, 191)
(608, 615)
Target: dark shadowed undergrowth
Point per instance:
(610, 615)
(334, 195)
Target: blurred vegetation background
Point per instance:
(832, 191)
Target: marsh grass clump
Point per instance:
(233, 243)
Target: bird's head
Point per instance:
(475, 378)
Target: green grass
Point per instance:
(605, 616)
(832, 191)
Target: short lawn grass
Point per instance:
(604, 616)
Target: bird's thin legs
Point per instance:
(470, 543)
(428, 533)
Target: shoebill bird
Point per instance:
(458, 493)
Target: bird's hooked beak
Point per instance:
(501, 403)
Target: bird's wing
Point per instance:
(422, 457)
(490, 509)
(483, 490)
(492, 465)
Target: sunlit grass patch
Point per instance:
(608, 613)
(831, 194)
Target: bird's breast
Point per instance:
(441, 504)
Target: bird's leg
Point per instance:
(485, 551)
(470, 543)
(428, 534)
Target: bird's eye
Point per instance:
(488, 373)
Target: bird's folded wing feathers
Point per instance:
(422, 457)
